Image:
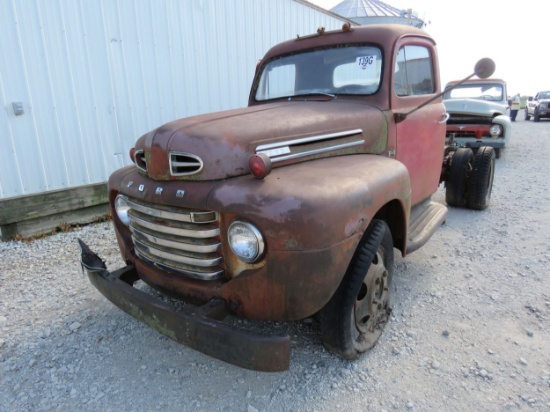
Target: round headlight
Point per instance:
(246, 241)
(122, 207)
(495, 130)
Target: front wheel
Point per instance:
(536, 117)
(354, 318)
(480, 183)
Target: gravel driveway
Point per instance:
(470, 328)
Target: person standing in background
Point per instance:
(516, 104)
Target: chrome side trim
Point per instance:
(164, 214)
(317, 151)
(308, 139)
(198, 234)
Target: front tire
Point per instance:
(354, 318)
(456, 185)
(536, 117)
(480, 183)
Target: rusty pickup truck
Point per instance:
(292, 207)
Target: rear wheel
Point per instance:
(527, 117)
(480, 183)
(354, 318)
(457, 181)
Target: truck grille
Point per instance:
(178, 240)
(467, 119)
(461, 133)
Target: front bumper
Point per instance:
(199, 328)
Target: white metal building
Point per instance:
(81, 80)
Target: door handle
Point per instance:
(445, 118)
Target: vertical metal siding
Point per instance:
(95, 75)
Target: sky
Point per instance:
(516, 38)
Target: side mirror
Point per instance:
(484, 68)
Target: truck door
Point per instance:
(420, 137)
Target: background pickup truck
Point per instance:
(538, 107)
(479, 117)
(293, 206)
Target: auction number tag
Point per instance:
(365, 62)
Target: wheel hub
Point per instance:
(371, 306)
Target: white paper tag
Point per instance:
(365, 62)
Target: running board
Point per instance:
(426, 217)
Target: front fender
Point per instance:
(506, 124)
(313, 216)
(317, 204)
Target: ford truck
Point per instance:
(293, 206)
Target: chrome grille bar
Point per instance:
(192, 217)
(194, 273)
(172, 230)
(173, 244)
(177, 257)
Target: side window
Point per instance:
(413, 71)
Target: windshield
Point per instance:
(544, 95)
(343, 70)
(491, 92)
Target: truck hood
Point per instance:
(474, 107)
(219, 145)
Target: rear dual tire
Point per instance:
(480, 182)
(470, 180)
(457, 182)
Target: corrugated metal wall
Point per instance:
(94, 75)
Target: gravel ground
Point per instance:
(469, 330)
